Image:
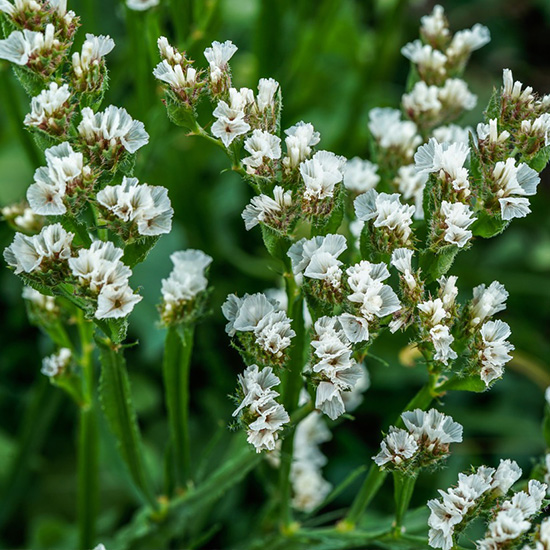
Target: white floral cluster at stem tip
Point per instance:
(259, 409)
(55, 364)
(39, 253)
(145, 207)
(425, 440)
(478, 492)
(94, 49)
(186, 281)
(317, 258)
(218, 56)
(256, 314)
(334, 371)
(48, 107)
(112, 128)
(101, 272)
(62, 177)
(20, 46)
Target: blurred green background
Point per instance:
(335, 60)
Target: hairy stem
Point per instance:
(177, 358)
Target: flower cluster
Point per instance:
(184, 291)
(475, 494)
(263, 330)
(136, 209)
(258, 409)
(423, 443)
(333, 369)
(439, 96)
(55, 364)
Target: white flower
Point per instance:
(355, 328)
(494, 354)
(303, 252)
(490, 132)
(115, 302)
(145, 205)
(393, 133)
(56, 363)
(539, 127)
(92, 53)
(19, 46)
(262, 207)
(256, 386)
(47, 104)
(468, 40)
(308, 485)
(455, 95)
(442, 340)
(26, 254)
(321, 173)
(218, 55)
(114, 126)
(262, 432)
(508, 525)
(411, 185)
(360, 175)
(300, 139)
(174, 75)
(507, 473)
(273, 333)
(444, 158)
(422, 100)
(487, 301)
(432, 427)
(513, 89)
(434, 311)
(20, 6)
(435, 25)
(187, 279)
(397, 447)
(267, 88)
(514, 180)
(141, 5)
(425, 57)
(374, 298)
(401, 259)
(261, 145)
(458, 217)
(230, 123)
(448, 291)
(386, 211)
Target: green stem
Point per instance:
(403, 490)
(88, 478)
(117, 405)
(291, 393)
(375, 478)
(176, 367)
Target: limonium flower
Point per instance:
(494, 353)
(411, 186)
(50, 109)
(264, 209)
(20, 46)
(112, 128)
(55, 364)
(49, 249)
(457, 219)
(143, 206)
(218, 56)
(360, 175)
(486, 302)
(299, 141)
(321, 173)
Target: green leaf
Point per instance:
(471, 383)
(180, 114)
(429, 198)
(539, 161)
(32, 83)
(276, 244)
(116, 401)
(436, 264)
(488, 224)
(136, 252)
(493, 107)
